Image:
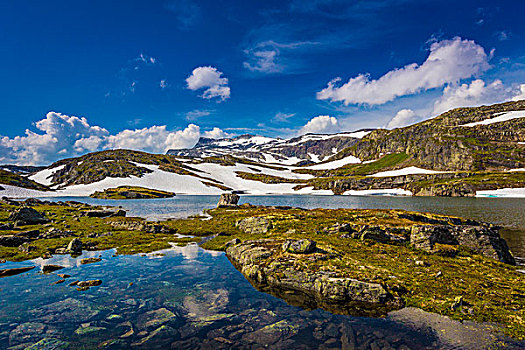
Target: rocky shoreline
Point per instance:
(356, 262)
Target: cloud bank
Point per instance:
(322, 124)
(210, 79)
(448, 62)
(403, 118)
(67, 136)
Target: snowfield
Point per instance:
(334, 164)
(381, 192)
(503, 192)
(44, 177)
(405, 171)
(500, 118)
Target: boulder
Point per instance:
(91, 283)
(75, 246)
(27, 216)
(32, 234)
(15, 271)
(104, 213)
(228, 200)
(484, 240)
(254, 225)
(234, 241)
(301, 246)
(50, 268)
(12, 241)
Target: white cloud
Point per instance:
(474, 94)
(282, 117)
(60, 132)
(196, 114)
(163, 84)
(448, 62)
(66, 136)
(209, 78)
(402, 118)
(266, 56)
(520, 94)
(216, 133)
(320, 124)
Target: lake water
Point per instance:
(186, 298)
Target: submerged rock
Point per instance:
(156, 318)
(90, 260)
(15, 271)
(27, 216)
(50, 268)
(228, 200)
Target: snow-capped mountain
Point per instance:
(309, 148)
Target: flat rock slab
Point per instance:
(15, 271)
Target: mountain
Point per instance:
(463, 152)
(302, 150)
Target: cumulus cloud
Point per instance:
(319, 125)
(449, 61)
(66, 136)
(216, 133)
(60, 133)
(520, 94)
(402, 118)
(210, 79)
(476, 93)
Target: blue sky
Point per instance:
(154, 75)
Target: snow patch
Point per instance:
(379, 192)
(500, 118)
(503, 192)
(405, 171)
(334, 164)
(44, 176)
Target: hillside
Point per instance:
(463, 152)
(455, 140)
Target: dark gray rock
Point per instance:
(228, 200)
(12, 241)
(233, 242)
(75, 246)
(32, 234)
(104, 213)
(50, 268)
(27, 216)
(14, 271)
(481, 239)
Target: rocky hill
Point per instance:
(302, 150)
(455, 140)
(459, 153)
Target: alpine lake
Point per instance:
(188, 297)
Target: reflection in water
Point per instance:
(179, 298)
(187, 297)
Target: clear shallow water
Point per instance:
(196, 297)
(193, 298)
(507, 212)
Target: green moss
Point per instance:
(131, 192)
(267, 179)
(9, 178)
